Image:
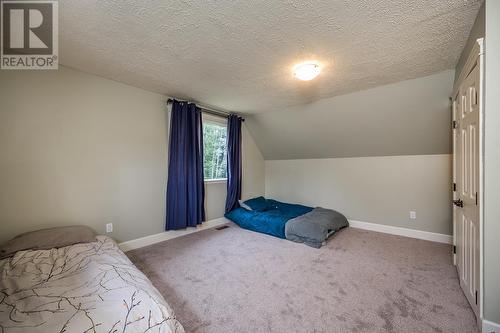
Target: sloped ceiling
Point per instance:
(411, 117)
(237, 55)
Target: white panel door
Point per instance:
(466, 211)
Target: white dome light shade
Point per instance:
(306, 71)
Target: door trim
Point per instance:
(476, 58)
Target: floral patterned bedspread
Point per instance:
(91, 287)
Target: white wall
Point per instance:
(79, 149)
(370, 189)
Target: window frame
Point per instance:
(215, 181)
(221, 121)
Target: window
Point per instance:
(214, 149)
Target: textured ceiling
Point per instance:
(237, 55)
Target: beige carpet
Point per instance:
(235, 280)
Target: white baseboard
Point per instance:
(163, 236)
(490, 327)
(425, 235)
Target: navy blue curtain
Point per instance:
(233, 162)
(185, 186)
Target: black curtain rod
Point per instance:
(209, 111)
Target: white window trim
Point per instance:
(216, 181)
(208, 118)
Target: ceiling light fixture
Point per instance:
(306, 71)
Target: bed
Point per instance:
(298, 223)
(85, 287)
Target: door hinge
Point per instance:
(454, 187)
(476, 297)
(476, 198)
(454, 124)
(454, 249)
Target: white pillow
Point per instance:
(243, 205)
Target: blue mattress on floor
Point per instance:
(271, 221)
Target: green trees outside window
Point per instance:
(214, 151)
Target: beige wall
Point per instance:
(252, 180)
(492, 165)
(79, 149)
(406, 118)
(253, 167)
(215, 199)
(370, 189)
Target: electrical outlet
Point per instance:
(413, 215)
(109, 228)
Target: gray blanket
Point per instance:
(315, 227)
